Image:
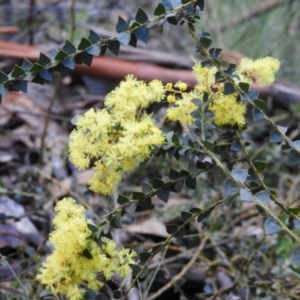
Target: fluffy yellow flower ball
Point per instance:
(68, 266)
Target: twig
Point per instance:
(155, 273)
(15, 275)
(182, 272)
(47, 120)
(223, 290)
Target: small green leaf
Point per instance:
(4, 89)
(3, 77)
(157, 183)
(38, 79)
(240, 174)
(69, 63)
(209, 146)
(173, 174)
(137, 195)
(272, 226)
(144, 256)
(106, 228)
(116, 221)
(200, 165)
(141, 17)
(94, 38)
(134, 25)
(259, 103)
(260, 165)
(35, 68)
(84, 43)
(246, 195)
(133, 41)
(142, 34)
(219, 175)
(122, 25)
(92, 228)
(144, 272)
(275, 136)
(261, 211)
(124, 38)
(257, 115)
(117, 294)
(172, 20)
(180, 234)
(296, 144)
(293, 158)
(171, 228)
(167, 4)
(230, 69)
(146, 203)
(228, 88)
(46, 295)
(131, 207)
(253, 95)
(230, 188)
(217, 61)
(163, 194)
(94, 50)
(114, 47)
(69, 48)
(26, 65)
(101, 296)
(195, 210)
(215, 52)
(135, 269)
(191, 183)
(122, 199)
(244, 86)
(205, 41)
(87, 254)
(296, 255)
(146, 187)
(43, 60)
(204, 214)
(61, 55)
(200, 4)
(84, 58)
(20, 85)
(175, 140)
(178, 186)
(235, 146)
(47, 74)
(296, 224)
(184, 173)
(192, 168)
(186, 216)
(17, 72)
(159, 10)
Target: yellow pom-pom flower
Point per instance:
(67, 267)
(260, 70)
(120, 136)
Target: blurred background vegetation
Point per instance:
(253, 28)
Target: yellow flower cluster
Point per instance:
(67, 267)
(227, 109)
(119, 137)
(260, 70)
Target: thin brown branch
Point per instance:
(182, 272)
